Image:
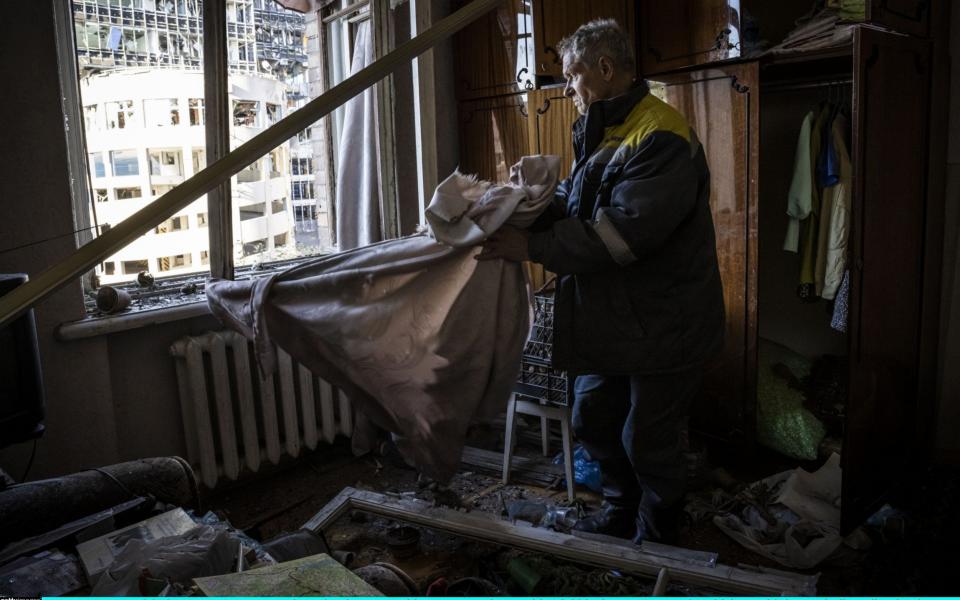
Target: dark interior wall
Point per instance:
(949, 414)
(783, 317)
(35, 205)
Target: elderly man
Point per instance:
(639, 304)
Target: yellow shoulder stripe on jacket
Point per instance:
(649, 115)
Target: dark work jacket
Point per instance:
(631, 238)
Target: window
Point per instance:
(96, 160)
(91, 118)
(124, 163)
(273, 113)
(301, 190)
(158, 190)
(196, 112)
(254, 247)
(173, 224)
(127, 193)
(177, 261)
(120, 115)
(132, 267)
(161, 113)
(199, 160)
(165, 163)
(109, 267)
(245, 113)
(253, 211)
(140, 71)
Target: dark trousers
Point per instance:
(632, 426)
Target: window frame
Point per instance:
(216, 125)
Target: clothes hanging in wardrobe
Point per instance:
(818, 202)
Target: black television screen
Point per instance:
(21, 381)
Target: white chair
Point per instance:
(529, 406)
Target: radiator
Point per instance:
(232, 417)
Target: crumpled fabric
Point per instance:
(423, 338)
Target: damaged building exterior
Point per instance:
(142, 91)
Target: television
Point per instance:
(21, 381)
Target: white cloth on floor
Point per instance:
(422, 337)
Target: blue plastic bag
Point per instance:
(585, 471)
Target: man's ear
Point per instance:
(605, 65)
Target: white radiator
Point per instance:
(232, 416)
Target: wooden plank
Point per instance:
(42, 285)
(488, 528)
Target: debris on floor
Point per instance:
(318, 575)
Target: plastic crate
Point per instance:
(538, 380)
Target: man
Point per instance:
(639, 304)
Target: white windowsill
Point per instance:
(92, 326)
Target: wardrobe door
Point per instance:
(493, 135)
(556, 19)
(551, 124)
(494, 54)
(905, 16)
(722, 106)
(890, 134)
(681, 33)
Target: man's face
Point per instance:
(585, 84)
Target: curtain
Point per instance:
(358, 182)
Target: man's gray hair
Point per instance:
(600, 37)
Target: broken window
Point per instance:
(101, 195)
(201, 219)
(280, 240)
(204, 257)
(91, 118)
(277, 206)
(158, 190)
(275, 162)
(165, 163)
(124, 163)
(132, 267)
(177, 261)
(253, 211)
(120, 115)
(245, 113)
(109, 267)
(162, 112)
(177, 223)
(127, 193)
(273, 113)
(255, 247)
(196, 112)
(199, 160)
(96, 161)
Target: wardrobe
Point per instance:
(746, 108)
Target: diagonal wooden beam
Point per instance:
(20, 299)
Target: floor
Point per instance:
(284, 499)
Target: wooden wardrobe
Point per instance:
(747, 112)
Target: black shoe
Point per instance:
(617, 521)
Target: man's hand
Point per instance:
(508, 243)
